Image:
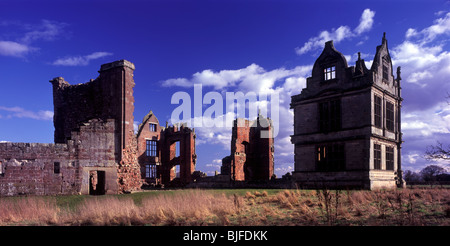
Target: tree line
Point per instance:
(429, 174)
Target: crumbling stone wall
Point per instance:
(128, 172)
(54, 169)
(26, 172)
(187, 158)
(93, 135)
(164, 159)
(252, 157)
(109, 96)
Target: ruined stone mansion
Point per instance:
(347, 128)
(347, 133)
(96, 150)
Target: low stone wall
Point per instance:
(57, 169)
(37, 169)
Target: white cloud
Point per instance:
(136, 126)
(416, 55)
(23, 113)
(425, 72)
(181, 82)
(365, 22)
(282, 169)
(10, 48)
(426, 123)
(419, 76)
(294, 84)
(339, 34)
(80, 60)
(218, 80)
(220, 135)
(251, 78)
(284, 147)
(441, 26)
(424, 65)
(46, 30)
(336, 35)
(411, 32)
(412, 157)
(216, 164)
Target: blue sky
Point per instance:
(262, 45)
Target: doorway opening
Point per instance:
(97, 183)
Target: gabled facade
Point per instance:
(162, 149)
(347, 129)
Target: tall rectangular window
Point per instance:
(150, 171)
(56, 167)
(389, 158)
(330, 116)
(330, 157)
(1, 168)
(152, 127)
(390, 116)
(377, 156)
(177, 148)
(377, 111)
(151, 147)
(385, 72)
(329, 73)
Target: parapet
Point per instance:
(120, 63)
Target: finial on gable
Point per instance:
(399, 73)
(329, 44)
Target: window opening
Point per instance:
(151, 147)
(377, 111)
(330, 73)
(377, 156)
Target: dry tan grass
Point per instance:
(199, 207)
(191, 207)
(33, 211)
(106, 211)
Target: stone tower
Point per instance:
(252, 155)
(347, 130)
(110, 96)
(107, 98)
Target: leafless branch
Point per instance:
(437, 152)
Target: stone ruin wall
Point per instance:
(251, 157)
(29, 168)
(128, 172)
(95, 150)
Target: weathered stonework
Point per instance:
(54, 169)
(158, 166)
(347, 129)
(252, 156)
(95, 150)
(129, 170)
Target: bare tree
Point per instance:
(411, 176)
(430, 172)
(437, 152)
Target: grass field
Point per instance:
(419, 206)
